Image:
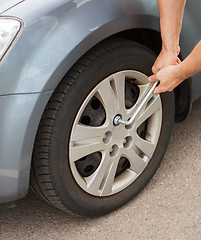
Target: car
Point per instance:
(68, 68)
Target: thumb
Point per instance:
(152, 78)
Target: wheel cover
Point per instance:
(113, 156)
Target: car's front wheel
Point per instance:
(82, 162)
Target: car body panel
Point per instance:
(5, 4)
(17, 131)
(55, 35)
(65, 34)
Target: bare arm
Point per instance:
(172, 75)
(171, 15)
(192, 64)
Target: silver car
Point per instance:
(68, 68)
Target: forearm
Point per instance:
(171, 15)
(192, 64)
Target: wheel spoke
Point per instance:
(151, 108)
(109, 177)
(119, 85)
(108, 99)
(145, 146)
(84, 132)
(136, 162)
(102, 176)
(83, 148)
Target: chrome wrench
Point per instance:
(118, 120)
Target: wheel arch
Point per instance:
(147, 35)
(70, 55)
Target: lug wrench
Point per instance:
(118, 120)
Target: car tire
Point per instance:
(61, 174)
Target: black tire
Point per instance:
(51, 175)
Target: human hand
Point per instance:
(165, 59)
(169, 78)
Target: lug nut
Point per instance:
(114, 150)
(127, 142)
(107, 137)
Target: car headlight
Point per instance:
(9, 29)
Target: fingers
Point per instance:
(158, 90)
(161, 87)
(153, 78)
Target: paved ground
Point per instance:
(168, 208)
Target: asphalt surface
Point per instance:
(168, 208)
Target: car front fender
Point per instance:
(58, 33)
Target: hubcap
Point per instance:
(105, 158)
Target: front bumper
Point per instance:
(19, 119)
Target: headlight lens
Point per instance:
(9, 28)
